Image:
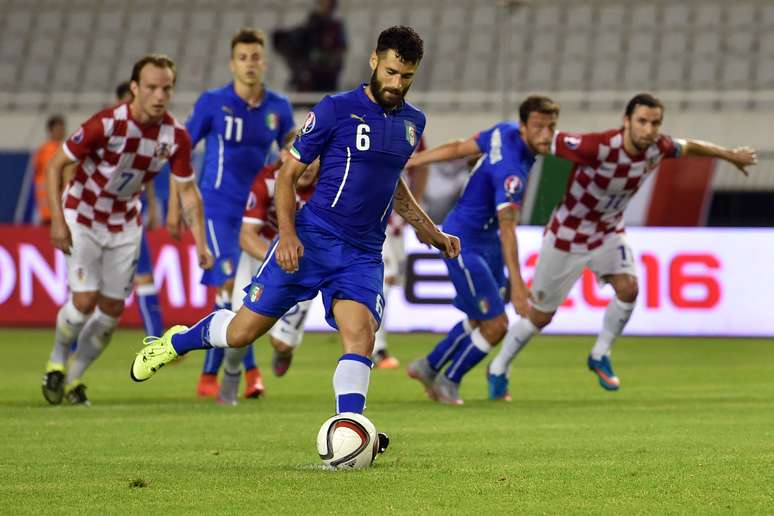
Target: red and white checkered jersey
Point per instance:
(116, 156)
(396, 223)
(260, 207)
(603, 180)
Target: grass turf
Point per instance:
(690, 431)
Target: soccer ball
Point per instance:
(347, 441)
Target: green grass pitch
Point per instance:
(690, 431)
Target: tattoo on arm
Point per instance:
(408, 208)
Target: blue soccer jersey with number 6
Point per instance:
(362, 151)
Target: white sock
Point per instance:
(517, 337)
(617, 315)
(218, 328)
(69, 323)
(380, 340)
(92, 340)
(350, 383)
(232, 362)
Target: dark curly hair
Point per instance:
(404, 41)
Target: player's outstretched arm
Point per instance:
(448, 151)
(740, 157)
(508, 217)
(60, 234)
(193, 214)
(289, 248)
(407, 207)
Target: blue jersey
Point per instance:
(362, 151)
(239, 138)
(499, 179)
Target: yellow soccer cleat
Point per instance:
(157, 352)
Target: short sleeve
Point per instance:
(89, 137)
(316, 132)
(484, 139)
(256, 210)
(578, 148)
(508, 186)
(200, 120)
(286, 123)
(670, 147)
(180, 161)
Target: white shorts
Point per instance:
(394, 256)
(101, 261)
(557, 271)
(290, 327)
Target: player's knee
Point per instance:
(627, 289)
(239, 335)
(85, 302)
(540, 319)
(358, 338)
(110, 306)
(493, 330)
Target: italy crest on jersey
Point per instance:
(411, 133)
(272, 121)
(255, 292)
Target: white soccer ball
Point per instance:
(347, 441)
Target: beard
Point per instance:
(378, 91)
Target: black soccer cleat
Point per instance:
(53, 386)
(76, 395)
(384, 442)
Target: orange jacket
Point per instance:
(40, 161)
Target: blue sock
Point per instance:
(471, 350)
(150, 312)
(350, 383)
(248, 362)
(195, 337)
(74, 346)
(213, 359)
(444, 350)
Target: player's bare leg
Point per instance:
(356, 330)
(617, 314)
(350, 380)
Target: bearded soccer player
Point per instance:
(485, 219)
(240, 121)
(333, 245)
(586, 229)
(259, 227)
(97, 223)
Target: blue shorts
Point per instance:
(223, 238)
(479, 278)
(329, 265)
(144, 263)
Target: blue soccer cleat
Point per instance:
(498, 386)
(604, 371)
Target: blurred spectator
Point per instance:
(315, 50)
(55, 126)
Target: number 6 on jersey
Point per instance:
(362, 140)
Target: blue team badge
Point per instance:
(513, 185)
(572, 141)
(78, 136)
(309, 123)
(256, 290)
(411, 133)
(272, 121)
